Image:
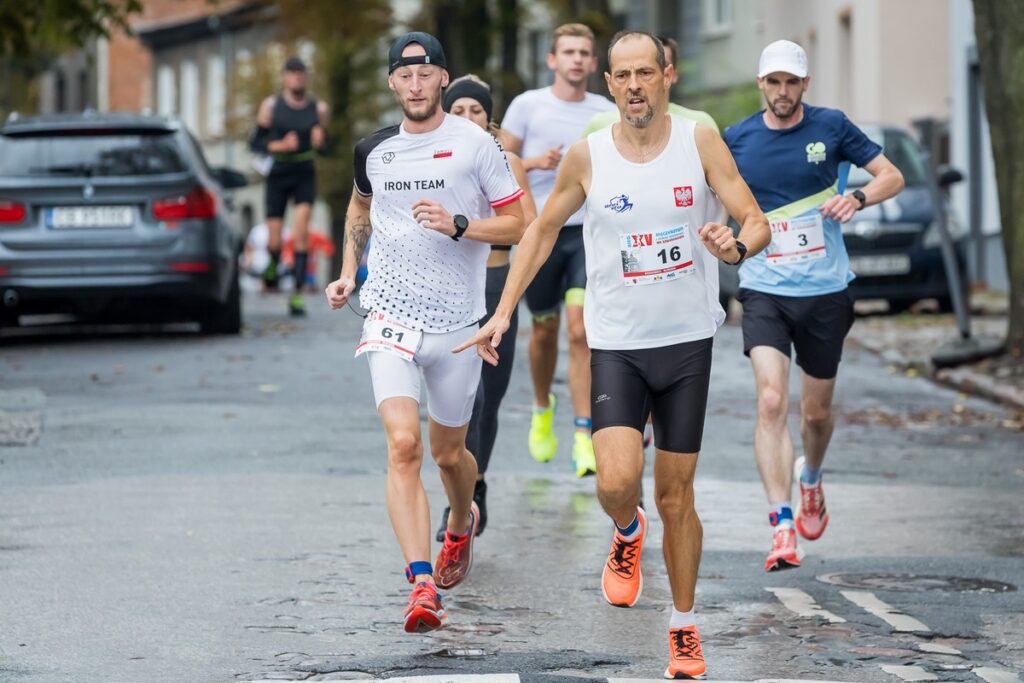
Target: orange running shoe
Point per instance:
(425, 612)
(456, 556)
(622, 579)
(685, 658)
(784, 554)
(811, 515)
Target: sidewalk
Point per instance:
(907, 341)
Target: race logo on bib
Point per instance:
(684, 195)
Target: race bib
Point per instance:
(796, 240)
(655, 257)
(380, 333)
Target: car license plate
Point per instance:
(89, 217)
(889, 264)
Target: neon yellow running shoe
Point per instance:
(583, 455)
(543, 442)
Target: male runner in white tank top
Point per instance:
(436, 191)
(648, 185)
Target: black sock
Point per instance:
(275, 256)
(299, 272)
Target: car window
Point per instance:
(901, 150)
(90, 153)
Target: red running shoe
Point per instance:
(784, 553)
(685, 658)
(456, 556)
(622, 580)
(425, 612)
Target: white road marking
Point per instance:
(887, 613)
(458, 678)
(992, 675)
(802, 604)
(938, 649)
(909, 673)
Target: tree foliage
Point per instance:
(999, 31)
(31, 27)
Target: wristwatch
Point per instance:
(742, 248)
(461, 225)
(859, 196)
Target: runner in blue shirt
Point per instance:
(795, 158)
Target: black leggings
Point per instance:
(483, 426)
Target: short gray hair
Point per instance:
(633, 33)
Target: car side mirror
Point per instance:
(947, 175)
(229, 178)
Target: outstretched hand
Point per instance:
(487, 339)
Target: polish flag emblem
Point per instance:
(684, 195)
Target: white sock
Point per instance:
(681, 619)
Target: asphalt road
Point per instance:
(182, 508)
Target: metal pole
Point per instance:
(974, 174)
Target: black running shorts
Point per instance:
(295, 180)
(564, 271)
(815, 326)
(669, 383)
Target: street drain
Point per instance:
(460, 653)
(916, 583)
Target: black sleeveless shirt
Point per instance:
(285, 119)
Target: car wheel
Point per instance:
(226, 317)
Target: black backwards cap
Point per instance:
(434, 56)
(294, 64)
(468, 88)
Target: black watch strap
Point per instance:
(742, 248)
(461, 225)
(859, 196)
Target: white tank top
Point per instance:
(650, 280)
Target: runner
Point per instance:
(795, 158)
(470, 98)
(648, 185)
(291, 127)
(539, 125)
(426, 189)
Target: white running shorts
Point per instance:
(451, 378)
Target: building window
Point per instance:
(717, 17)
(188, 106)
(216, 96)
(166, 95)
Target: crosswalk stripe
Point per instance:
(802, 604)
(909, 673)
(458, 678)
(993, 675)
(887, 613)
(938, 649)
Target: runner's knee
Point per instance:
(772, 404)
(545, 332)
(447, 458)
(817, 417)
(675, 502)
(405, 451)
(577, 333)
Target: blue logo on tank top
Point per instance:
(619, 204)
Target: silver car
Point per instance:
(111, 215)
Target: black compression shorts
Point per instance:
(669, 383)
(295, 180)
(565, 269)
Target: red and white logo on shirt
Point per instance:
(442, 153)
(683, 195)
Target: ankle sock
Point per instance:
(810, 477)
(583, 423)
(416, 568)
(631, 530)
(681, 619)
(781, 516)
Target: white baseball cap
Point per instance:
(783, 55)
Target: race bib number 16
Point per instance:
(380, 333)
(655, 257)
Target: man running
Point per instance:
(795, 158)
(648, 185)
(538, 126)
(290, 127)
(426, 189)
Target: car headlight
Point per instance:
(933, 237)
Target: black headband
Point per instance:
(471, 89)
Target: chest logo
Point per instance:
(683, 195)
(619, 204)
(442, 153)
(815, 152)
(388, 157)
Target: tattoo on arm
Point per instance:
(358, 234)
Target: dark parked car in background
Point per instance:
(107, 216)
(895, 247)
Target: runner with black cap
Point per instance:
(290, 127)
(436, 191)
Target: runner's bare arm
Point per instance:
(887, 182)
(725, 179)
(265, 114)
(506, 226)
(318, 136)
(566, 198)
(357, 234)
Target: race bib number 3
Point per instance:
(654, 257)
(796, 240)
(380, 333)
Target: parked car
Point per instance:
(895, 246)
(106, 214)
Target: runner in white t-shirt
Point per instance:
(648, 186)
(539, 126)
(436, 192)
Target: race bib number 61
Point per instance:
(380, 333)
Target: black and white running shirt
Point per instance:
(420, 277)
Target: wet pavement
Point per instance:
(174, 508)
